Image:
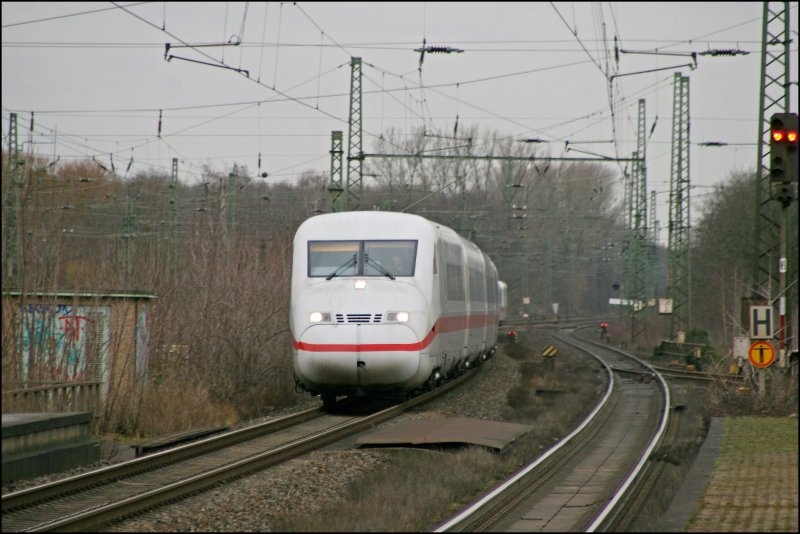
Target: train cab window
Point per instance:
(395, 257)
(325, 257)
(361, 258)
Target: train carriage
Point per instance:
(386, 302)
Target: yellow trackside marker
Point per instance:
(549, 351)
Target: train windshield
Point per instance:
(390, 258)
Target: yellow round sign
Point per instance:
(761, 354)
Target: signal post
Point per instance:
(783, 182)
(761, 352)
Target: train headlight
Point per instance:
(400, 317)
(318, 317)
(360, 284)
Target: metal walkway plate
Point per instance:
(492, 434)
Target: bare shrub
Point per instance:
(225, 321)
(217, 256)
(779, 397)
(178, 403)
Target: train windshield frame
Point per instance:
(371, 257)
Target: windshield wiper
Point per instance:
(348, 263)
(378, 266)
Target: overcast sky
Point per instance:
(96, 78)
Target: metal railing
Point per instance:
(52, 397)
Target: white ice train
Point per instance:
(386, 302)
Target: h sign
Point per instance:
(761, 322)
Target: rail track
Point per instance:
(97, 498)
(672, 372)
(596, 477)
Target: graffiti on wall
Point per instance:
(63, 342)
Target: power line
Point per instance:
(378, 47)
(69, 15)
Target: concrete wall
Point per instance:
(62, 337)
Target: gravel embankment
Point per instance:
(319, 480)
(310, 483)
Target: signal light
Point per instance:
(783, 156)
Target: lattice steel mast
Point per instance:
(679, 213)
(774, 98)
(11, 244)
(355, 155)
(335, 189)
(638, 290)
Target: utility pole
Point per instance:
(517, 217)
(626, 254)
(173, 185)
(771, 264)
(227, 204)
(355, 154)
(128, 233)
(653, 260)
(461, 188)
(335, 188)
(679, 216)
(774, 97)
(638, 304)
(11, 243)
(232, 177)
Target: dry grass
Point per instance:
(178, 404)
(754, 486)
(731, 400)
(778, 398)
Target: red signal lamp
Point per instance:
(777, 135)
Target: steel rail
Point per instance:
(614, 507)
(110, 511)
(521, 483)
(27, 497)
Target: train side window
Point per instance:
(454, 266)
(435, 270)
(477, 291)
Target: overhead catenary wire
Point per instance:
(57, 17)
(240, 37)
(382, 89)
(178, 132)
(277, 48)
(575, 33)
(388, 47)
(263, 35)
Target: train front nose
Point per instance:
(358, 355)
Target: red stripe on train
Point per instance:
(444, 325)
